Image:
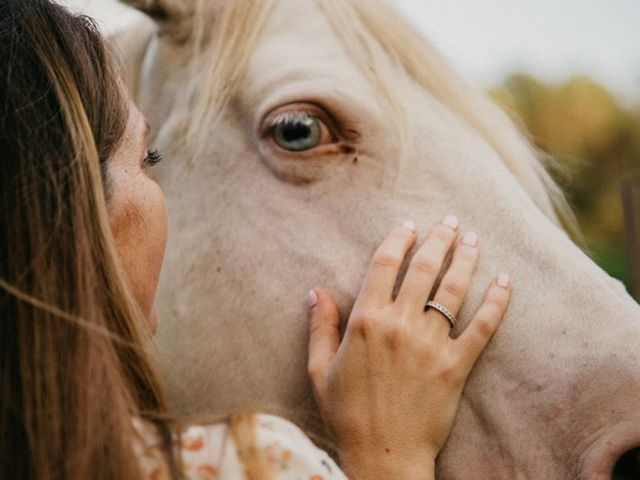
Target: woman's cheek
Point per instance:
(139, 224)
(159, 232)
(154, 232)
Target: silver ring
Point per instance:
(443, 310)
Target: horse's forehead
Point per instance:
(302, 18)
(299, 37)
(299, 51)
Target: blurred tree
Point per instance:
(595, 139)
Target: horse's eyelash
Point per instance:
(288, 117)
(339, 129)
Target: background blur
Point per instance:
(567, 70)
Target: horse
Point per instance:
(297, 132)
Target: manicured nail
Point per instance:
(470, 238)
(410, 224)
(503, 280)
(313, 299)
(451, 221)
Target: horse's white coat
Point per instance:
(253, 228)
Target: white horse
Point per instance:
(299, 134)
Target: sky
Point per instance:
(488, 39)
(551, 39)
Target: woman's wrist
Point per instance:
(384, 466)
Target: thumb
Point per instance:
(324, 338)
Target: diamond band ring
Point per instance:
(443, 310)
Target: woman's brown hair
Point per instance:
(74, 372)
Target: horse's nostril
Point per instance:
(628, 466)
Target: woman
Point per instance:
(82, 239)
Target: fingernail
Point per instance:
(410, 224)
(503, 280)
(313, 299)
(451, 221)
(470, 238)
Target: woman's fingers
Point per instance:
(478, 333)
(455, 283)
(385, 266)
(324, 337)
(427, 263)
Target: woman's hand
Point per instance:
(390, 390)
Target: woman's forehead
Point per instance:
(138, 127)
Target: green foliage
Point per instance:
(596, 141)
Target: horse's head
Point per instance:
(318, 124)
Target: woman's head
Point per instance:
(82, 233)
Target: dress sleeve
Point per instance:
(209, 453)
(292, 454)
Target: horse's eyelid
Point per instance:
(285, 117)
(331, 124)
(339, 129)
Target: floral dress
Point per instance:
(209, 452)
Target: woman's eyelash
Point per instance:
(153, 158)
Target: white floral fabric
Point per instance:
(209, 452)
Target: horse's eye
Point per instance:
(299, 131)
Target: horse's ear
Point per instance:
(174, 17)
(162, 10)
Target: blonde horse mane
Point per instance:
(374, 33)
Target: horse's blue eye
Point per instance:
(298, 133)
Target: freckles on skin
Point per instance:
(138, 217)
